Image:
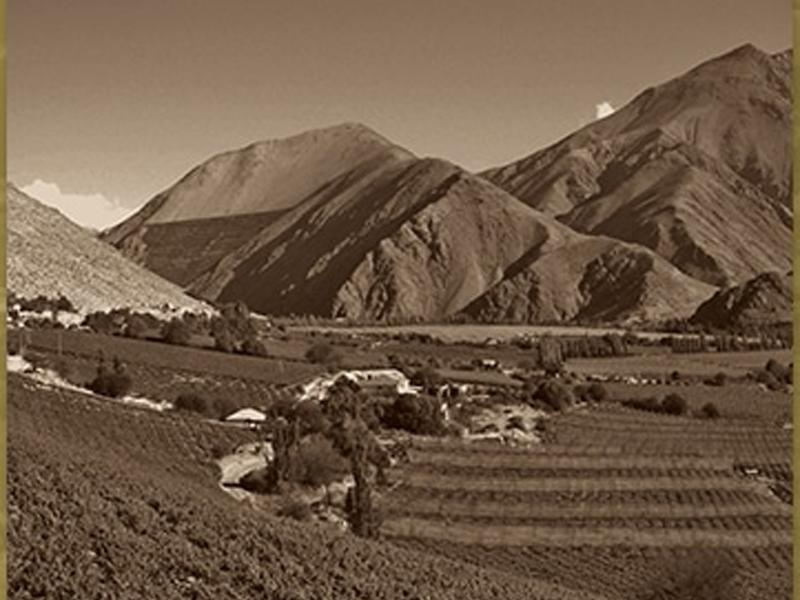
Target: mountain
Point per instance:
(388, 236)
(589, 279)
(49, 254)
(763, 300)
(698, 169)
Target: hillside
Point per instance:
(707, 148)
(49, 254)
(589, 279)
(392, 238)
(763, 300)
(109, 501)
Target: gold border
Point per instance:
(3, 417)
(796, 288)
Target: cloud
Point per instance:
(603, 109)
(90, 210)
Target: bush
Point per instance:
(254, 347)
(13, 346)
(113, 384)
(223, 340)
(709, 410)
(316, 462)
(674, 404)
(323, 354)
(195, 403)
(598, 392)
(426, 377)
(415, 414)
(177, 332)
(778, 371)
(295, 509)
(719, 380)
(647, 404)
(554, 394)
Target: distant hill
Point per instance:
(763, 300)
(698, 169)
(49, 254)
(388, 237)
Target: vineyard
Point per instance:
(163, 372)
(614, 498)
(109, 501)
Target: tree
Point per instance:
(554, 394)
(113, 383)
(177, 332)
(416, 414)
(324, 354)
(674, 404)
(223, 339)
(710, 411)
(427, 378)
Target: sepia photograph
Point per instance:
(372, 299)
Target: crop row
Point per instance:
(548, 461)
(593, 484)
(579, 511)
(696, 497)
(526, 535)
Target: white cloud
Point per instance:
(603, 109)
(90, 210)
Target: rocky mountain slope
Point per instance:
(763, 300)
(49, 254)
(388, 237)
(698, 169)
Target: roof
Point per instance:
(247, 414)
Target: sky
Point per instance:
(111, 101)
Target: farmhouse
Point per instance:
(388, 381)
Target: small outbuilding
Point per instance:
(246, 416)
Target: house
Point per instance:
(378, 381)
(246, 416)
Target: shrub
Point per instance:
(426, 377)
(709, 410)
(295, 509)
(323, 354)
(778, 371)
(768, 379)
(598, 392)
(674, 404)
(415, 414)
(554, 394)
(223, 340)
(13, 346)
(316, 462)
(254, 347)
(177, 332)
(195, 403)
(647, 404)
(113, 384)
(719, 380)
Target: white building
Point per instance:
(388, 380)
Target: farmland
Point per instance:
(734, 364)
(614, 498)
(110, 501)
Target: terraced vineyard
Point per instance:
(610, 501)
(109, 501)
